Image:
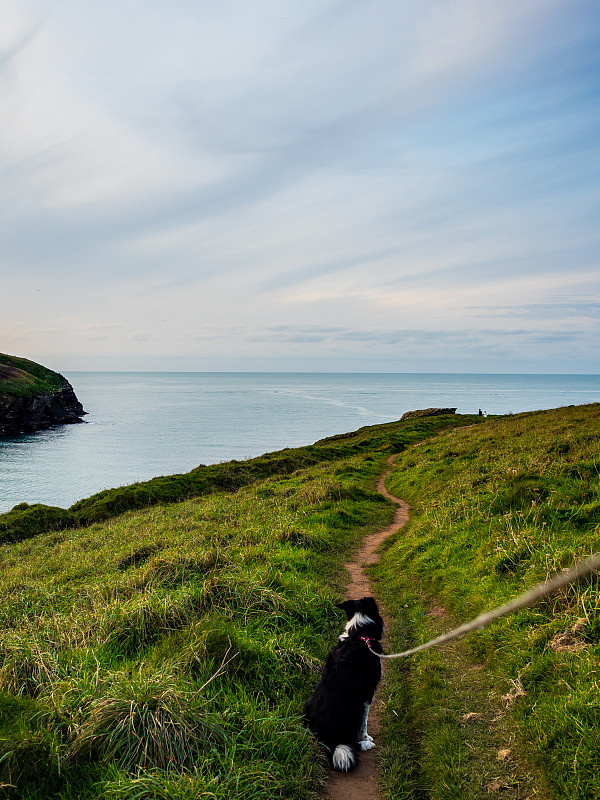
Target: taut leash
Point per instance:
(529, 598)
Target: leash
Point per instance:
(529, 598)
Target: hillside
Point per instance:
(33, 397)
(208, 617)
(164, 651)
(496, 509)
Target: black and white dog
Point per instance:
(338, 710)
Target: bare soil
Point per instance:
(361, 783)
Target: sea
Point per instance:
(143, 424)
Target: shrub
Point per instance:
(25, 521)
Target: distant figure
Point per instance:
(480, 413)
(485, 414)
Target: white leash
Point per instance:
(572, 575)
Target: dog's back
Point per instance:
(337, 710)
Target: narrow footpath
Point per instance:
(361, 784)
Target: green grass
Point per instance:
(166, 651)
(21, 377)
(496, 509)
(172, 647)
(162, 646)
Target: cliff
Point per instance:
(33, 397)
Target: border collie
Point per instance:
(338, 709)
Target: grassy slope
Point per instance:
(119, 633)
(496, 509)
(166, 652)
(25, 521)
(19, 376)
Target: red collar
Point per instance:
(367, 640)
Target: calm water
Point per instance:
(140, 425)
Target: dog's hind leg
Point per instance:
(366, 742)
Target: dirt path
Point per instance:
(361, 784)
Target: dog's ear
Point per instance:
(368, 606)
(348, 607)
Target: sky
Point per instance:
(301, 185)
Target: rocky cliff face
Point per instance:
(427, 412)
(33, 413)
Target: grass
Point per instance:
(166, 651)
(24, 378)
(496, 509)
(148, 721)
(447, 731)
(172, 638)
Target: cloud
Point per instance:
(320, 176)
(386, 337)
(551, 309)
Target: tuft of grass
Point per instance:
(27, 669)
(146, 721)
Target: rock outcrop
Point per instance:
(428, 412)
(33, 398)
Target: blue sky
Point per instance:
(345, 185)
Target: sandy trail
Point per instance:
(361, 784)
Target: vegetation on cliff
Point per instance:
(23, 378)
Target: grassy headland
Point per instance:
(33, 397)
(162, 647)
(24, 378)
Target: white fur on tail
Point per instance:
(343, 758)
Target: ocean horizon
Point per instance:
(143, 424)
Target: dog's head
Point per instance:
(363, 618)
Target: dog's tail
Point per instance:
(344, 758)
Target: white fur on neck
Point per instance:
(358, 619)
